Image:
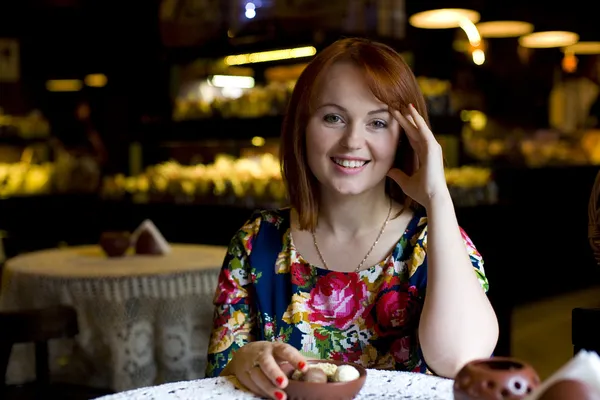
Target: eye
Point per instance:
(379, 124)
(332, 119)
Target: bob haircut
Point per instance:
(390, 80)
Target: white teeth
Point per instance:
(349, 163)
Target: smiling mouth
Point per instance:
(349, 163)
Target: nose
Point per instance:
(353, 138)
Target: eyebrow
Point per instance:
(378, 111)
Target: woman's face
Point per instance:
(351, 138)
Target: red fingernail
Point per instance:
(301, 365)
(279, 395)
(279, 380)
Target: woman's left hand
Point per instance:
(429, 179)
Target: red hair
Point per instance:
(390, 80)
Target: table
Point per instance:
(143, 320)
(387, 385)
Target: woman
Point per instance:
(342, 273)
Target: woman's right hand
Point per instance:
(256, 366)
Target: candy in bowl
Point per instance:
(325, 380)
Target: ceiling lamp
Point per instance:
(583, 48)
(443, 18)
(271, 55)
(544, 40)
(504, 29)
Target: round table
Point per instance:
(143, 320)
(387, 385)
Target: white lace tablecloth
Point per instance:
(381, 385)
(143, 320)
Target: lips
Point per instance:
(346, 163)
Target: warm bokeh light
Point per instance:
(258, 141)
(478, 57)
(224, 81)
(583, 48)
(548, 39)
(569, 63)
(504, 29)
(471, 31)
(272, 55)
(443, 18)
(96, 80)
(64, 85)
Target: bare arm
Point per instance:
(458, 323)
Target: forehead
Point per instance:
(344, 83)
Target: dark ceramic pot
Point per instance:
(495, 378)
(115, 244)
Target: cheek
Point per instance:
(314, 147)
(385, 152)
(317, 141)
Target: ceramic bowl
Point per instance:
(115, 244)
(496, 378)
(300, 390)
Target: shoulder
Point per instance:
(418, 231)
(417, 228)
(275, 219)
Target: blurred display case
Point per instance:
(25, 167)
(492, 143)
(221, 146)
(253, 179)
(33, 164)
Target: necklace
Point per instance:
(387, 219)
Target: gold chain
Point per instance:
(387, 219)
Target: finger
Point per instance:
(266, 386)
(271, 369)
(412, 121)
(247, 380)
(411, 130)
(399, 177)
(286, 352)
(420, 123)
(404, 122)
(416, 162)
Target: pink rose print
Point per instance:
(400, 349)
(300, 272)
(228, 289)
(269, 329)
(395, 307)
(337, 299)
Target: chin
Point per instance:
(351, 186)
(350, 190)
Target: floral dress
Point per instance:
(267, 291)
